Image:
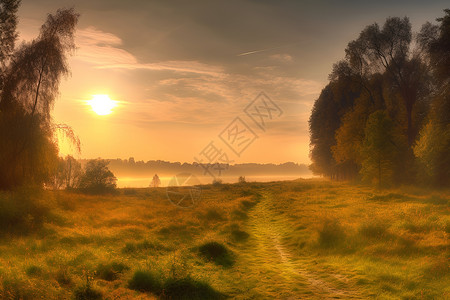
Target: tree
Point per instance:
(387, 50)
(97, 177)
(30, 81)
(433, 153)
(379, 150)
(67, 174)
(8, 34)
(156, 182)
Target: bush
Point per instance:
(331, 234)
(145, 281)
(110, 272)
(97, 178)
(241, 179)
(216, 252)
(189, 289)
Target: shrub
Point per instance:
(109, 272)
(216, 252)
(331, 234)
(145, 281)
(189, 289)
(241, 179)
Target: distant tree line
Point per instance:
(384, 116)
(131, 167)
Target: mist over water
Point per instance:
(142, 182)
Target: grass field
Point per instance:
(304, 239)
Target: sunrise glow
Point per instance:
(102, 105)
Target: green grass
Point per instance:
(304, 239)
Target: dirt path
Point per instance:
(280, 273)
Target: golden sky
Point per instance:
(182, 71)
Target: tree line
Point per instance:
(384, 116)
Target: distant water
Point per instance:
(140, 182)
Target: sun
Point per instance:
(102, 105)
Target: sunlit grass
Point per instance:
(307, 239)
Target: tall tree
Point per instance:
(30, 86)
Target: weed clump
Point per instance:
(87, 292)
(111, 271)
(331, 234)
(216, 252)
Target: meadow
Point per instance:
(301, 239)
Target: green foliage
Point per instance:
(87, 292)
(433, 153)
(382, 71)
(217, 253)
(379, 149)
(97, 178)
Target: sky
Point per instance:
(203, 80)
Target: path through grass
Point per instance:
(280, 273)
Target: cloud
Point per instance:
(282, 57)
(102, 49)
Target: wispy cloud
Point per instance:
(103, 50)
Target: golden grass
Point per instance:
(387, 244)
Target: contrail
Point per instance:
(267, 49)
